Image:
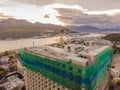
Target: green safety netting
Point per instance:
(68, 74)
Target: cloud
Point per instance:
(102, 19)
(60, 14)
(90, 4)
(32, 13)
(2, 16)
(36, 14)
(35, 2)
(47, 16)
(3, 3)
(106, 12)
(46, 2)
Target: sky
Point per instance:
(99, 13)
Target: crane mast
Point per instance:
(61, 37)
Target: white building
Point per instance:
(115, 72)
(4, 59)
(13, 83)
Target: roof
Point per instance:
(117, 69)
(56, 54)
(13, 83)
(94, 50)
(74, 57)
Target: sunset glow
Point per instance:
(35, 13)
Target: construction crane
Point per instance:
(61, 37)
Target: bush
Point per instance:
(11, 57)
(118, 83)
(16, 88)
(111, 87)
(1, 88)
(118, 89)
(2, 69)
(2, 73)
(6, 53)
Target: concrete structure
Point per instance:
(4, 59)
(20, 68)
(104, 83)
(5, 66)
(35, 81)
(115, 72)
(74, 67)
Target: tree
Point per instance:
(2, 88)
(16, 88)
(2, 69)
(2, 73)
(111, 87)
(6, 53)
(118, 89)
(11, 57)
(118, 83)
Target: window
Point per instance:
(58, 89)
(49, 83)
(53, 86)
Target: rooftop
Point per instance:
(56, 53)
(13, 83)
(79, 51)
(117, 69)
(94, 50)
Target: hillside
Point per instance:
(13, 28)
(83, 28)
(87, 28)
(115, 37)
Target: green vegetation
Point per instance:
(1, 88)
(16, 88)
(118, 89)
(2, 73)
(6, 53)
(10, 58)
(118, 83)
(117, 49)
(111, 87)
(115, 37)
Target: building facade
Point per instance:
(52, 68)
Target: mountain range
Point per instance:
(87, 28)
(12, 24)
(14, 28)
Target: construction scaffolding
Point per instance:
(67, 74)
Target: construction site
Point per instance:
(76, 64)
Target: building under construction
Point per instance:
(80, 66)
